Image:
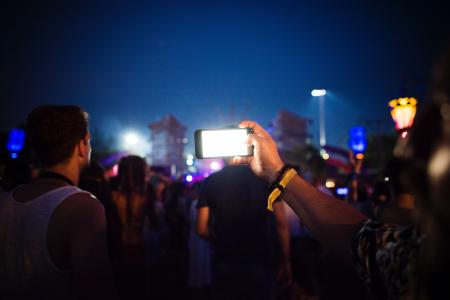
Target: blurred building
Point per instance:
(168, 137)
(290, 131)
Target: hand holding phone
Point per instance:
(266, 161)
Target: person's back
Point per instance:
(242, 227)
(131, 199)
(243, 234)
(131, 210)
(30, 271)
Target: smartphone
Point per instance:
(211, 143)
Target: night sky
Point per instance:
(214, 63)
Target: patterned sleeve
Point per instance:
(384, 257)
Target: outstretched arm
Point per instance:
(332, 221)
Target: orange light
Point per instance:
(359, 156)
(403, 111)
(330, 183)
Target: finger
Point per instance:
(247, 123)
(257, 129)
(252, 140)
(239, 160)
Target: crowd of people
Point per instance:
(254, 230)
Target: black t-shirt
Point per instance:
(243, 230)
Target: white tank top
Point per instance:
(26, 269)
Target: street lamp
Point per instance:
(321, 94)
(403, 111)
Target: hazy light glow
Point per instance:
(130, 138)
(359, 156)
(318, 93)
(135, 143)
(112, 172)
(440, 163)
(189, 162)
(325, 156)
(386, 179)
(189, 178)
(330, 183)
(224, 143)
(214, 165)
(342, 191)
(357, 140)
(16, 141)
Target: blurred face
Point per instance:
(85, 151)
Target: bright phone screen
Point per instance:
(226, 142)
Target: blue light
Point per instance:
(13, 155)
(358, 140)
(342, 191)
(16, 140)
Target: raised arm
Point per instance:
(332, 221)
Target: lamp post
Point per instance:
(403, 111)
(321, 95)
(322, 136)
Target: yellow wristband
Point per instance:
(287, 177)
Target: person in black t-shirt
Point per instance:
(233, 216)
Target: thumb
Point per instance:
(239, 160)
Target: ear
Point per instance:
(84, 147)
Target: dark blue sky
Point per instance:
(211, 63)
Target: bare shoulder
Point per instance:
(83, 200)
(82, 207)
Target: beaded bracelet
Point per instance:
(280, 174)
(287, 173)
